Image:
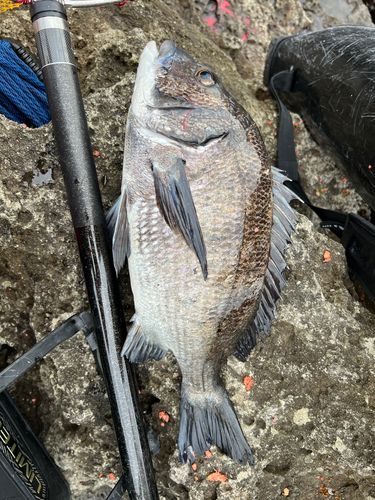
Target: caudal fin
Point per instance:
(208, 419)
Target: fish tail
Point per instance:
(209, 418)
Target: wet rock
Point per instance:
(309, 412)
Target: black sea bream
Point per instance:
(204, 222)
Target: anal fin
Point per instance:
(139, 348)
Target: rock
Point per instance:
(309, 414)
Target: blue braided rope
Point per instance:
(23, 97)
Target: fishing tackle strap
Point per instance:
(357, 234)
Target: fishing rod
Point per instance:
(60, 76)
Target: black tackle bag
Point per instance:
(327, 77)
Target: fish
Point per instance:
(204, 221)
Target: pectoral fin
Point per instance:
(176, 204)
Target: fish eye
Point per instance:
(205, 77)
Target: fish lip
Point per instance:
(166, 53)
(152, 47)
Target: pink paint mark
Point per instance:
(211, 20)
(224, 7)
(254, 31)
(246, 20)
(244, 37)
(184, 126)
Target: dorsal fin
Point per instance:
(282, 227)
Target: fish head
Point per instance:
(181, 99)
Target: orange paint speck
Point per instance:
(163, 415)
(96, 153)
(327, 256)
(285, 492)
(208, 454)
(217, 476)
(111, 476)
(248, 381)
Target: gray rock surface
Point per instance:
(309, 415)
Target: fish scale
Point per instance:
(203, 234)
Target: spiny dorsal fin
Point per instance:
(176, 204)
(282, 227)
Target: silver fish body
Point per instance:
(204, 227)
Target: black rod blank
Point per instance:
(78, 167)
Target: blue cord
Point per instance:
(23, 97)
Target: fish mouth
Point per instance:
(165, 54)
(152, 47)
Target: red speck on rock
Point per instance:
(248, 381)
(223, 5)
(163, 415)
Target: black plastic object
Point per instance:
(26, 56)
(76, 158)
(70, 327)
(357, 235)
(27, 472)
(333, 90)
(26, 469)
